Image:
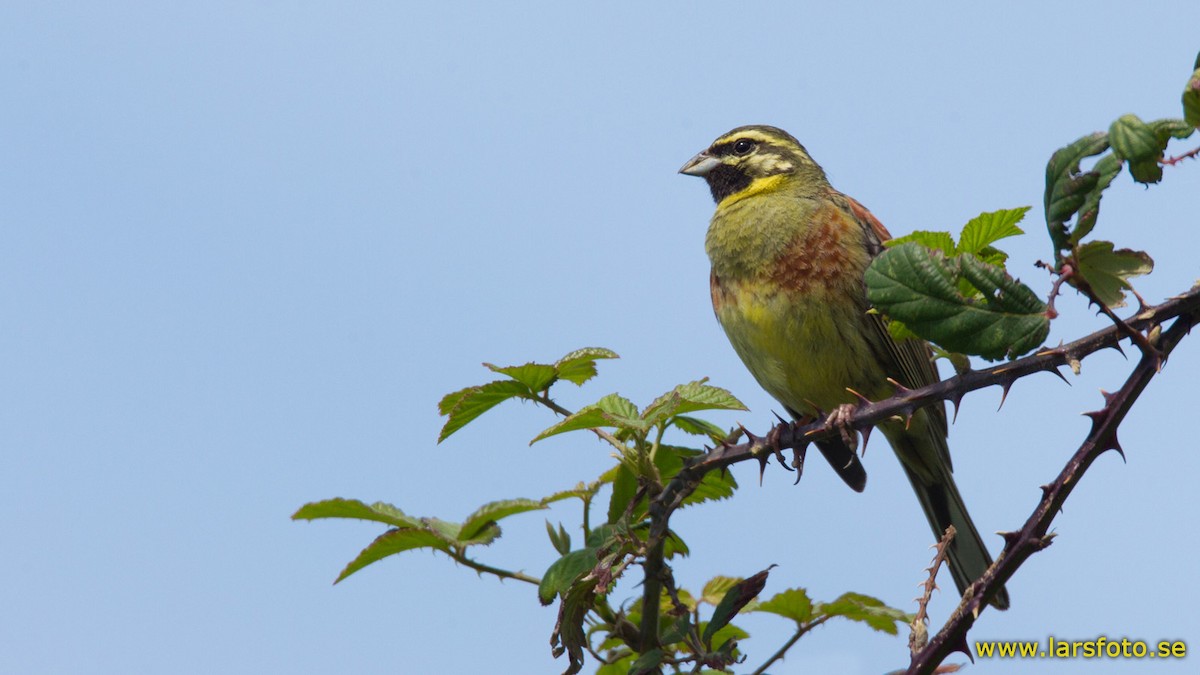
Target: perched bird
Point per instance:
(788, 254)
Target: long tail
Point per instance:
(926, 460)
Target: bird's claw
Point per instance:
(841, 418)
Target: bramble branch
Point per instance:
(1033, 537)
(908, 401)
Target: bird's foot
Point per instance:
(840, 418)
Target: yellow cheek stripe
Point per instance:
(758, 185)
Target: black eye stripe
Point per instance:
(729, 148)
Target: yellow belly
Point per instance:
(805, 351)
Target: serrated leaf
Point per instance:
(737, 597)
(352, 508)
(580, 365)
(1106, 170)
(536, 376)
(673, 545)
(714, 485)
(391, 543)
(1169, 128)
(611, 411)
(1191, 99)
(792, 603)
(1108, 272)
(445, 529)
(461, 407)
(987, 228)
(1133, 140)
(698, 427)
(580, 491)
(992, 256)
(1066, 188)
(688, 398)
(869, 610)
(919, 287)
(940, 241)
(700, 396)
(496, 511)
(717, 587)
(563, 572)
(661, 408)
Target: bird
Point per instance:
(788, 255)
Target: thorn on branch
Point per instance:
(1053, 368)
(1005, 386)
(955, 400)
(798, 454)
(898, 388)
(1172, 161)
(919, 636)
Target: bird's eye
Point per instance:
(743, 146)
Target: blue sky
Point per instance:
(246, 248)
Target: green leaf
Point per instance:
(1169, 128)
(611, 411)
(1191, 99)
(919, 287)
(624, 488)
(564, 571)
(536, 376)
(992, 256)
(941, 241)
(1108, 271)
(647, 663)
(559, 539)
(869, 610)
(352, 508)
(722, 635)
(495, 511)
(391, 543)
(568, 636)
(699, 427)
(463, 406)
(1134, 141)
(1106, 170)
(619, 667)
(793, 604)
(737, 597)
(1066, 188)
(688, 398)
(717, 587)
(580, 365)
(987, 228)
(677, 631)
(580, 491)
(714, 485)
(700, 396)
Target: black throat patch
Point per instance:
(726, 180)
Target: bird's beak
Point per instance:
(700, 165)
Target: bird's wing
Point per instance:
(909, 362)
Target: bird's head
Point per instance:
(754, 159)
